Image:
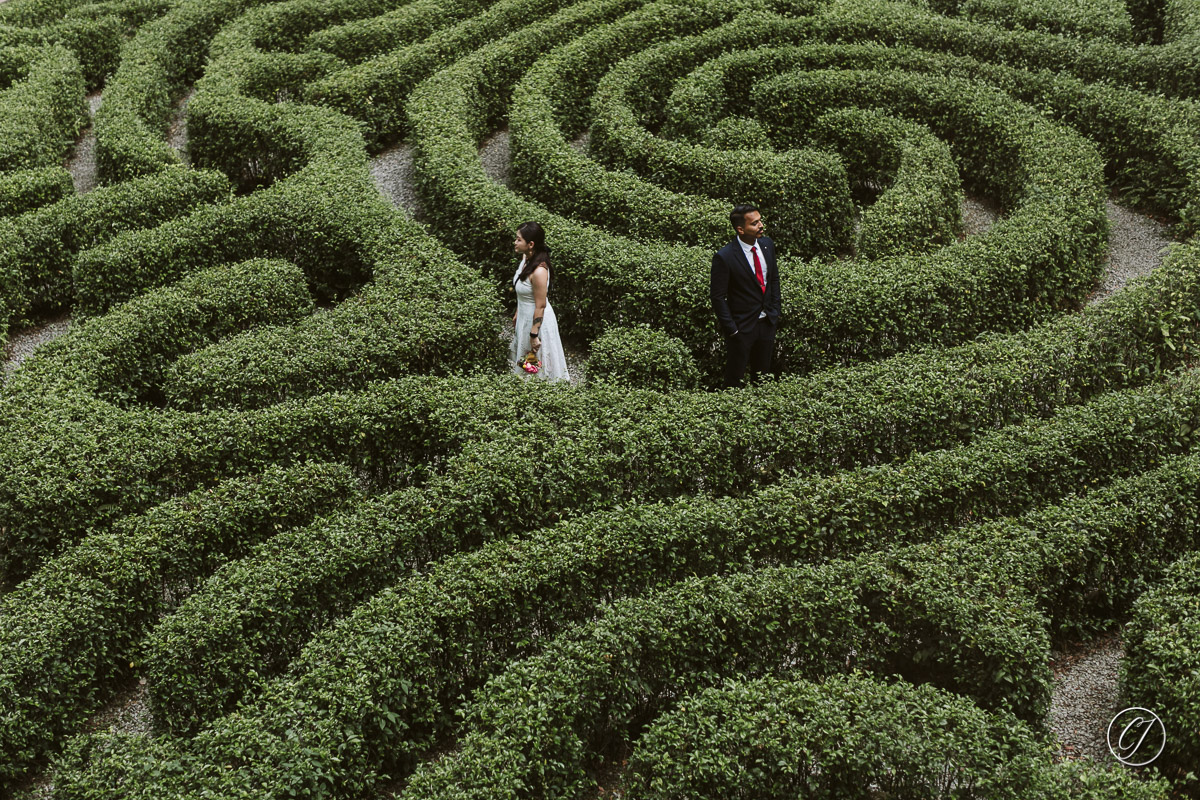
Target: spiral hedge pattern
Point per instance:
(277, 468)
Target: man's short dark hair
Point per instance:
(737, 217)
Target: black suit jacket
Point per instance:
(737, 298)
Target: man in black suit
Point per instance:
(744, 285)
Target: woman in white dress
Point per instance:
(536, 327)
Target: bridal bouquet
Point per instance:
(531, 364)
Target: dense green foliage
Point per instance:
(277, 478)
(769, 738)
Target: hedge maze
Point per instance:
(277, 470)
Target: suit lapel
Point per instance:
(738, 256)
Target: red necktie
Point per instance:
(758, 269)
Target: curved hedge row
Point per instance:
(1160, 670)
(1150, 143)
(260, 612)
(848, 736)
(120, 357)
(1107, 19)
(250, 618)
(550, 171)
(480, 209)
(67, 634)
(868, 414)
(40, 247)
(376, 92)
(254, 618)
(25, 190)
(360, 40)
(161, 59)
(814, 617)
(40, 115)
(448, 625)
(320, 219)
(466, 460)
(921, 207)
(94, 39)
(803, 193)
(538, 723)
(425, 313)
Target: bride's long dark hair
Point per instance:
(532, 232)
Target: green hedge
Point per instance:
(40, 115)
(121, 356)
(320, 220)
(643, 358)
(357, 41)
(1163, 70)
(319, 211)
(26, 190)
(921, 207)
(425, 313)
(96, 41)
(377, 91)
(1150, 143)
(245, 625)
(161, 59)
(940, 366)
(132, 13)
(639, 650)
(254, 615)
(1107, 19)
(550, 104)
(1044, 256)
(69, 635)
(849, 735)
(1160, 669)
(537, 724)
(41, 246)
(33, 13)
(600, 270)
(803, 193)
(868, 414)
(1181, 20)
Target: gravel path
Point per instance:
(22, 344)
(392, 171)
(495, 157)
(177, 130)
(81, 162)
(1085, 697)
(978, 214)
(1136, 244)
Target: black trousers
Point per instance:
(751, 350)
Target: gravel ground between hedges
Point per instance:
(177, 129)
(81, 162)
(1085, 697)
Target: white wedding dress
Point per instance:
(554, 363)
